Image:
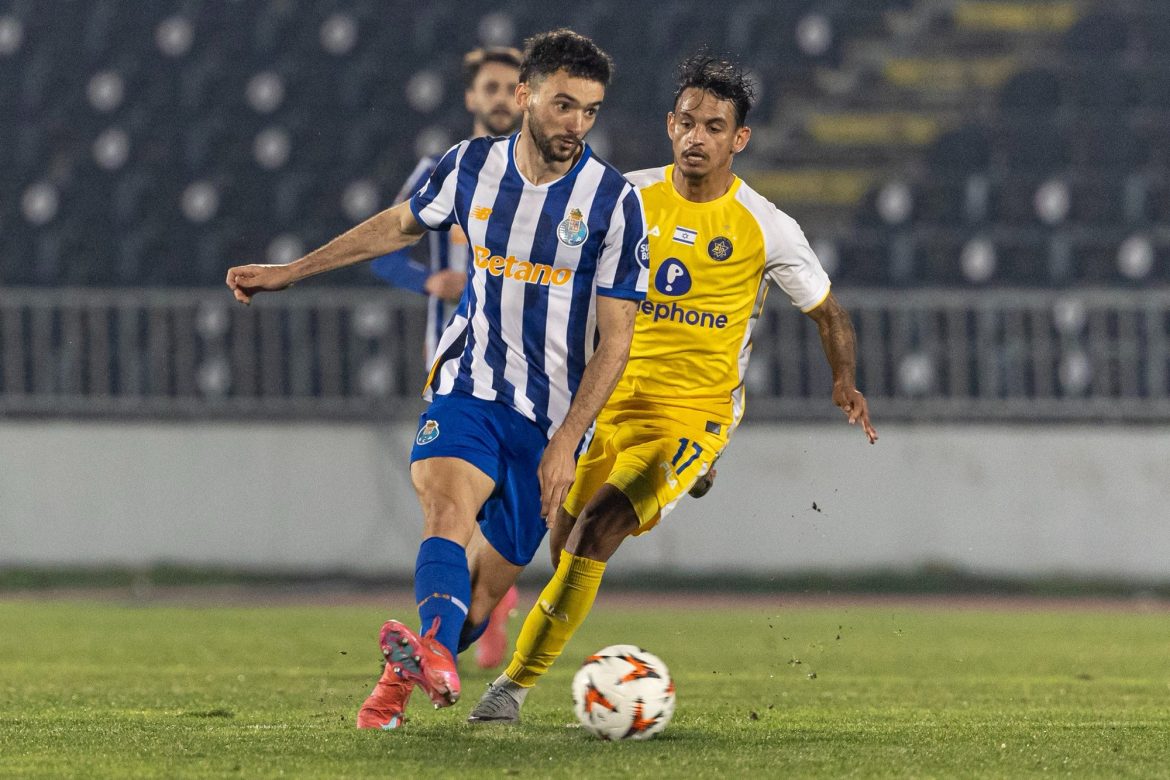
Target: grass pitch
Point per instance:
(104, 689)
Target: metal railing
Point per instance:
(331, 353)
(983, 355)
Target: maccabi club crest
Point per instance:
(719, 248)
(428, 433)
(572, 231)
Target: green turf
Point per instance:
(92, 689)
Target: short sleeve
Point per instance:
(624, 265)
(433, 205)
(790, 262)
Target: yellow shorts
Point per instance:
(652, 457)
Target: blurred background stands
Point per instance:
(153, 143)
(942, 155)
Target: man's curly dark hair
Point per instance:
(548, 52)
(721, 77)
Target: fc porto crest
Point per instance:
(572, 231)
(428, 433)
(719, 248)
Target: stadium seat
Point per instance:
(1024, 258)
(1095, 259)
(963, 150)
(864, 260)
(1157, 202)
(939, 260)
(1099, 202)
(1104, 144)
(1012, 200)
(1161, 270)
(16, 263)
(767, 33)
(1154, 86)
(1100, 87)
(1097, 35)
(942, 201)
(1021, 17)
(1150, 31)
(1031, 143)
(1035, 90)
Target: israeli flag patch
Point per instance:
(685, 235)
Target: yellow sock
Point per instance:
(560, 610)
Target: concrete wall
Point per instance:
(314, 497)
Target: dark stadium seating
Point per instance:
(1033, 91)
(186, 93)
(966, 149)
(1098, 34)
(1071, 153)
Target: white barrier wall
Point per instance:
(1085, 500)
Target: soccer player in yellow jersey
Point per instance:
(715, 248)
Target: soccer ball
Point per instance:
(623, 692)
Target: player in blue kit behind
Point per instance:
(536, 346)
(490, 77)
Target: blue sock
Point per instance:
(471, 633)
(442, 588)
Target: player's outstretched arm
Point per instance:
(839, 344)
(381, 234)
(615, 326)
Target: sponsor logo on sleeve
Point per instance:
(643, 253)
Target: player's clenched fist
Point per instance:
(246, 280)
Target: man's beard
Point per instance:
(545, 143)
(499, 123)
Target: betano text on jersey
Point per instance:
(540, 255)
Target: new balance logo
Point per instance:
(481, 212)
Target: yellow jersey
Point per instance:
(710, 268)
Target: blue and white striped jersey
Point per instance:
(446, 250)
(540, 256)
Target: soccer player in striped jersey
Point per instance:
(536, 346)
(716, 246)
(490, 76)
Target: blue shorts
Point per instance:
(505, 445)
